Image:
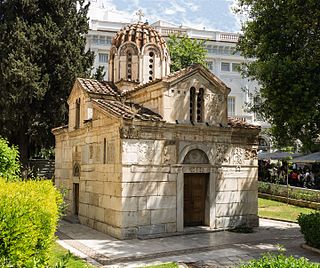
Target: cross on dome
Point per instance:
(140, 14)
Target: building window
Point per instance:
(225, 66)
(95, 39)
(231, 106)
(236, 67)
(104, 150)
(103, 57)
(151, 66)
(77, 125)
(210, 65)
(196, 105)
(108, 40)
(129, 65)
(192, 103)
(200, 101)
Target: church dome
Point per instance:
(141, 34)
(138, 55)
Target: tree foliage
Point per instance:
(284, 39)
(9, 161)
(185, 51)
(42, 51)
(99, 73)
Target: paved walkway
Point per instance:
(214, 249)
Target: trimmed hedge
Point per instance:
(29, 212)
(294, 193)
(310, 228)
(279, 261)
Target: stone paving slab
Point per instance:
(221, 249)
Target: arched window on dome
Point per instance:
(129, 65)
(151, 55)
(112, 67)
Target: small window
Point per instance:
(200, 101)
(231, 106)
(108, 40)
(225, 66)
(95, 39)
(103, 57)
(104, 151)
(192, 103)
(210, 65)
(77, 123)
(102, 40)
(235, 67)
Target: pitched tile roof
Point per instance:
(99, 87)
(180, 73)
(128, 110)
(238, 123)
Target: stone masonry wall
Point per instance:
(152, 161)
(95, 148)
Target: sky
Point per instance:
(200, 14)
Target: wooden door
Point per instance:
(195, 191)
(76, 198)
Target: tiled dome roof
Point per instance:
(140, 33)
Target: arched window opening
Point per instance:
(76, 170)
(151, 65)
(77, 123)
(200, 100)
(192, 103)
(112, 67)
(129, 65)
(196, 156)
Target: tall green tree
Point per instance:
(42, 51)
(284, 39)
(185, 51)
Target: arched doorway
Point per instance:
(195, 193)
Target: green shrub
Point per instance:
(9, 161)
(29, 213)
(310, 228)
(294, 193)
(279, 261)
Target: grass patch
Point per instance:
(281, 211)
(164, 265)
(59, 253)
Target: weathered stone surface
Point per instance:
(163, 216)
(166, 188)
(144, 217)
(139, 188)
(159, 202)
(228, 197)
(227, 185)
(151, 229)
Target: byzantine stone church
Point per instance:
(152, 152)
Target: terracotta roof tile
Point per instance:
(175, 75)
(139, 33)
(128, 110)
(99, 87)
(238, 123)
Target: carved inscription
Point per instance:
(130, 133)
(221, 154)
(238, 156)
(251, 154)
